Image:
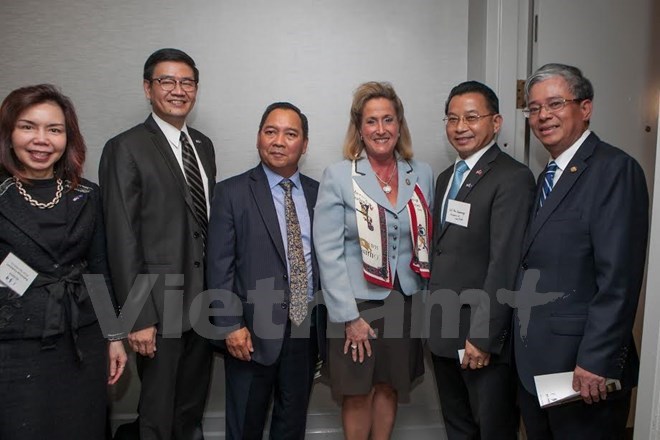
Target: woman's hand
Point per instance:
(117, 359)
(358, 333)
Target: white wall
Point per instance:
(313, 53)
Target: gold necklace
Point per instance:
(386, 184)
(40, 205)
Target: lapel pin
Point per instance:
(573, 169)
(468, 185)
(78, 197)
(479, 172)
(197, 141)
(407, 181)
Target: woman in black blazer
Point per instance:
(54, 356)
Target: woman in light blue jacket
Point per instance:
(372, 231)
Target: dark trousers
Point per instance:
(250, 386)
(174, 388)
(477, 404)
(575, 420)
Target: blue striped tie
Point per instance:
(547, 181)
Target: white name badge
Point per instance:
(458, 213)
(16, 275)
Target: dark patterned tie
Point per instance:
(297, 266)
(194, 179)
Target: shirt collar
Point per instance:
(172, 134)
(274, 179)
(564, 158)
(472, 160)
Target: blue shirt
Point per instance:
(302, 212)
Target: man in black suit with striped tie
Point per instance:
(156, 180)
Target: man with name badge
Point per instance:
(479, 226)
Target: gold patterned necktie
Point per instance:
(297, 267)
(194, 179)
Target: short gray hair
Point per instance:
(578, 85)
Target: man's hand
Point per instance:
(591, 386)
(474, 358)
(239, 344)
(143, 341)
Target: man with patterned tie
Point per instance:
(156, 180)
(260, 249)
(485, 196)
(586, 241)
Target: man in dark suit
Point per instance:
(586, 244)
(155, 180)
(260, 249)
(476, 250)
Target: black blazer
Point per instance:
(484, 255)
(245, 253)
(150, 222)
(39, 313)
(587, 242)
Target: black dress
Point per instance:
(53, 355)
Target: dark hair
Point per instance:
(578, 85)
(168, 54)
(492, 101)
(286, 106)
(353, 144)
(69, 166)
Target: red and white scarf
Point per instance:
(372, 230)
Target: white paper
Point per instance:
(461, 353)
(16, 275)
(557, 388)
(458, 213)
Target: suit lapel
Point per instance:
(19, 217)
(407, 181)
(569, 176)
(310, 199)
(204, 157)
(310, 196)
(163, 147)
(76, 201)
(264, 200)
(480, 169)
(368, 182)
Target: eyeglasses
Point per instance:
(169, 84)
(469, 119)
(554, 105)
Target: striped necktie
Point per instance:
(548, 180)
(194, 179)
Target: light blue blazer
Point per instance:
(336, 237)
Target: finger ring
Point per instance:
(354, 347)
(479, 364)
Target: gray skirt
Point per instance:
(397, 361)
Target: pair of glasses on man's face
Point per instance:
(470, 119)
(168, 84)
(554, 105)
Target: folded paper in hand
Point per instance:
(556, 389)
